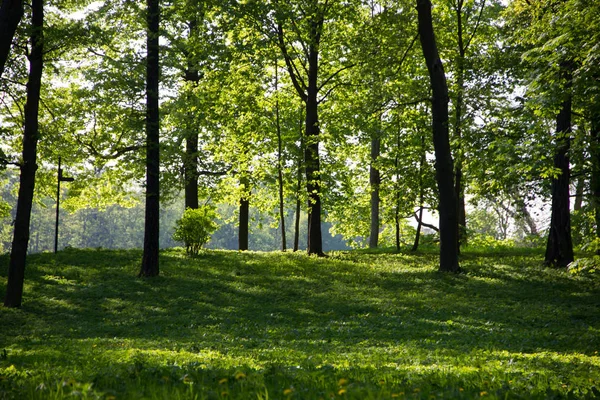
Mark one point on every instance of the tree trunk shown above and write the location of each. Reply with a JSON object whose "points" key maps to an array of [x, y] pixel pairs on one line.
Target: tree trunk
{"points": [[299, 185], [244, 217], [18, 254], [458, 171], [150, 265], [190, 164], [11, 12], [448, 206], [421, 194], [374, 182], [559, 249], [279, 163], [311, 154], [595, 156]]}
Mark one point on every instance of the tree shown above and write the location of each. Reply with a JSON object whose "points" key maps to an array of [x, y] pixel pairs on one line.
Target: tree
{"points": [[11, 12], [18, 254], [443, 158], [150, 266], [559, 249]]}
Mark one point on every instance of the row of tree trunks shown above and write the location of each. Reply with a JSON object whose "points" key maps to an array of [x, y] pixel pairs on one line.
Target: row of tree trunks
{"points": [[150, 265], [18, 254], [448, 205]]}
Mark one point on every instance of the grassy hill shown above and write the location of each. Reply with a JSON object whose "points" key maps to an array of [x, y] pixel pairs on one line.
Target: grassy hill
{"points": [[278, 326]]}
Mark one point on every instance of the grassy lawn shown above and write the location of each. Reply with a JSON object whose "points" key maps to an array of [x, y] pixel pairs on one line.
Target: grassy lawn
{"points": [[278, 326]]}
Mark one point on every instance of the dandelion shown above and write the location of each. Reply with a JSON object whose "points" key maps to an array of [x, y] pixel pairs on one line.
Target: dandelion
{"points": [[287, 392], [461, 389], [484, 393], [342, 381], [240, 375], [342, 391], [222, 381]]}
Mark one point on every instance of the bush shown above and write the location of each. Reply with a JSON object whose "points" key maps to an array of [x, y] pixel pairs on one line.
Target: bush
{"points": [[195, 227]]}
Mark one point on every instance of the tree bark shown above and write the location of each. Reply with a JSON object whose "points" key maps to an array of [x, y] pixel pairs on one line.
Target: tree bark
{"points": [[18, 254], [458, 171], [244, 217], [311, 154], [448, 206], [374, 182], [11, 12], [279, 163], [595, 156], [559, 248], [150, 265], [422, 161], [298, 186], [190, 164]]}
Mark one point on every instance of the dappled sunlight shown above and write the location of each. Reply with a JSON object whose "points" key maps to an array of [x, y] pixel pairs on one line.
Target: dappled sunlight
{"points": [[284, 319]]}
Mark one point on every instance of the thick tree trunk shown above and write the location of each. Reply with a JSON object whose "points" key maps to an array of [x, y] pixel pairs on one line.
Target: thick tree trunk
{"points": [[374, 182], [244, 217], [311, 154], [11, 12], [18, 254], [448, 206], [559, 249], [150, 266], [595, 156]]}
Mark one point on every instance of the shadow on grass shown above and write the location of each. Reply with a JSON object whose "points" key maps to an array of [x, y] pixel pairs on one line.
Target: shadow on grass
{"points": [[255, 301]]}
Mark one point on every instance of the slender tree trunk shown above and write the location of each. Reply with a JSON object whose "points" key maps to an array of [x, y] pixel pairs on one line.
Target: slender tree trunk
{"points": [[299, 186], [311, 154], [595, 156], [559, 249], [421, 194], [448, 206], [579, 188], [11, 12], [374, 182], [279, 163], [150, 266], [18, 254], [190, 164], [244, 216], [458, 172]]}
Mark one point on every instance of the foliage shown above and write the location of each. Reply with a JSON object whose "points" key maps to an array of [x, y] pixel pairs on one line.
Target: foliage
{"points": [[195, 227], [589, 264], [252, 325]]}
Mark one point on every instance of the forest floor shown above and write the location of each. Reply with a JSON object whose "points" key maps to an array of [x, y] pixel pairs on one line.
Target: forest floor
{"points": [[288, 326]]}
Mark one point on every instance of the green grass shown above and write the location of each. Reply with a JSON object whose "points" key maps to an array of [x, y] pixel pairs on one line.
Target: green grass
{"points": [[288, 326]]}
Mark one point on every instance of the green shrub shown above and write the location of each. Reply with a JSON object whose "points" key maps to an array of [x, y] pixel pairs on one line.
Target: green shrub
{"points": [[589, 264], [195, 227]]}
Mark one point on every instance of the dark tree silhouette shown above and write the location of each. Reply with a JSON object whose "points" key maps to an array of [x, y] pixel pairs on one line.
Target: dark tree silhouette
{"points": [[444, 170], [151, 245], [18, 254]]}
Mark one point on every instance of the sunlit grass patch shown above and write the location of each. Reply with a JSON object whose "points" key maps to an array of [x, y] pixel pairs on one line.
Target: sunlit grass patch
{"points": [[282, 325]]}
